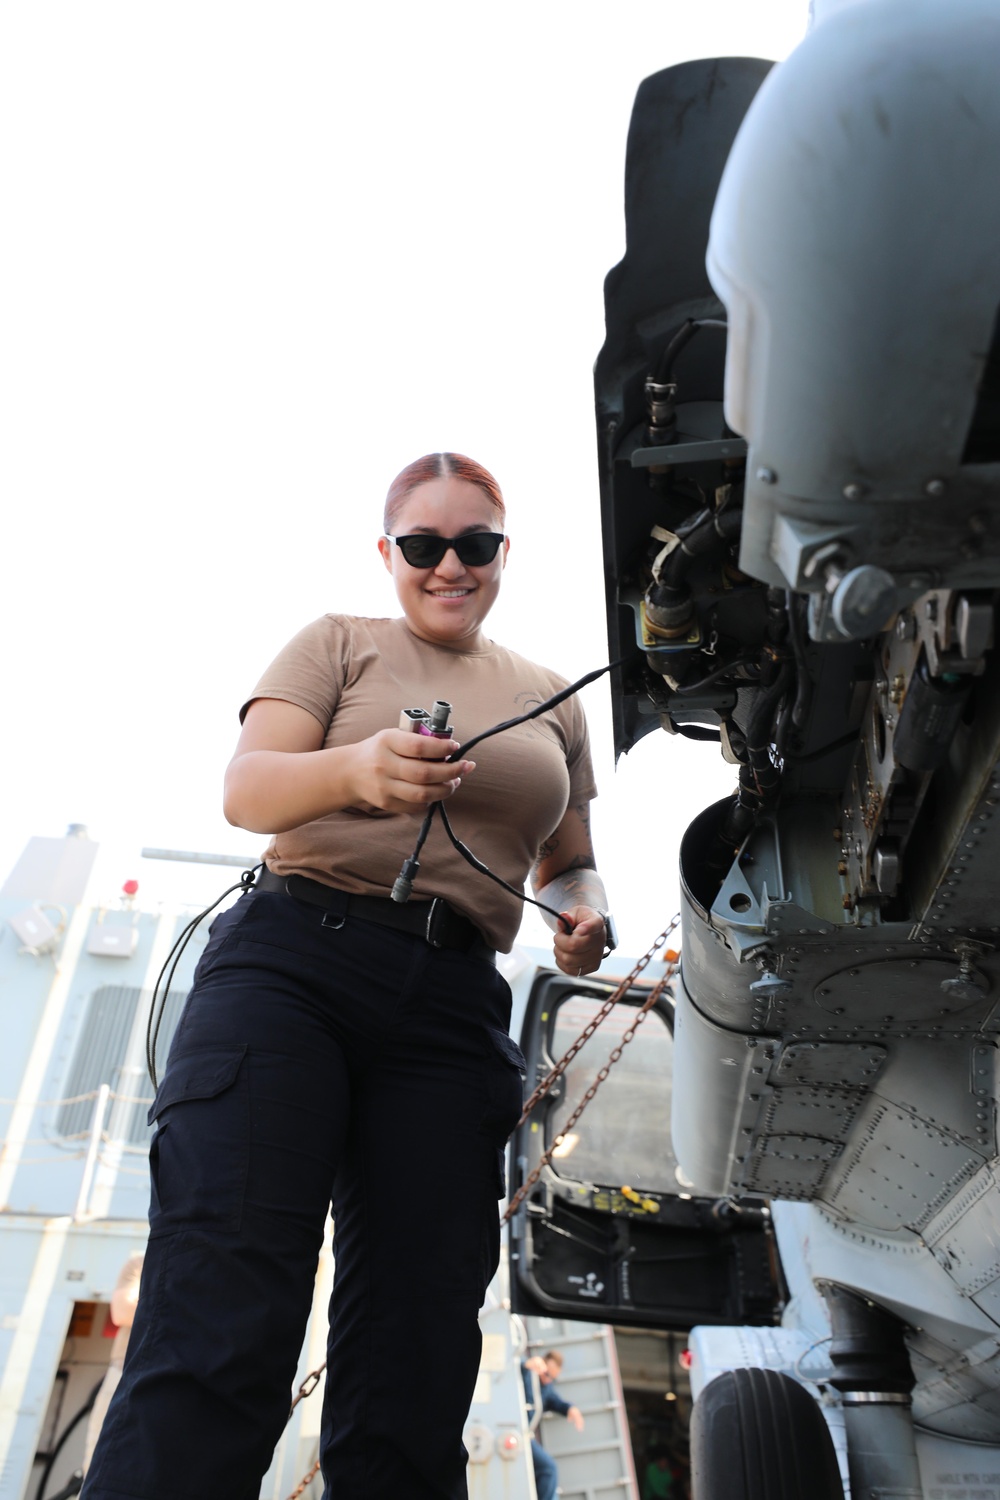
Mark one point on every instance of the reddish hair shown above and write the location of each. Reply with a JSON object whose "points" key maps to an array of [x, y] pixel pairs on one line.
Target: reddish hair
{"points": [[440, 466]]}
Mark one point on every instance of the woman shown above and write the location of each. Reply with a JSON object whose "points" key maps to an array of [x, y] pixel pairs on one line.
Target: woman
{"points": [[339, 1044]]}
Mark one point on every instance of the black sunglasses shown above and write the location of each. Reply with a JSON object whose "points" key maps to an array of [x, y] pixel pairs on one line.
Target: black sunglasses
{"points": [[474, 550]]}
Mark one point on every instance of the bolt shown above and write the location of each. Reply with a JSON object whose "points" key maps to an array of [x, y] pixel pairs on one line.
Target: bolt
{"points": [[767, 476], [853, 491], [935, 488]]}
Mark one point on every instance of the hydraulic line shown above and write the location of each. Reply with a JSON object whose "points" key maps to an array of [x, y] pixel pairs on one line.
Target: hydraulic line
{"points": [[680, 341], [669, 604]]}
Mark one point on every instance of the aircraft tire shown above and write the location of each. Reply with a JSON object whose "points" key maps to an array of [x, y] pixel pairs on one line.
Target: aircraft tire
{"points": [[759, 1435]]}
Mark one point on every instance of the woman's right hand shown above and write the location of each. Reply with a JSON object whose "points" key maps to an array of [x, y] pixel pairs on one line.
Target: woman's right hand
{"points": [[397, 771], [281, 776]]}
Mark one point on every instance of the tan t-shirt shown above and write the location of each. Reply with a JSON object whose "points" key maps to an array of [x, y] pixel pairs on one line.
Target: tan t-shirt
{"points": [[355, 676]]}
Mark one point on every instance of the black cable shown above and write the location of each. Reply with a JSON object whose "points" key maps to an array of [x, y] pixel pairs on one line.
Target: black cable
{"points": [[402, 888], [244, 884], [72, 1487], [74, 1422], [403, 885], [699, 732], [541, 708], [729, 666], [839, 744], [477, 864], [680, 340]]}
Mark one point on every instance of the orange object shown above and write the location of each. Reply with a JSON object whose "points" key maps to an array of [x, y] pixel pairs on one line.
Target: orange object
{"points": [[82, 1321]]}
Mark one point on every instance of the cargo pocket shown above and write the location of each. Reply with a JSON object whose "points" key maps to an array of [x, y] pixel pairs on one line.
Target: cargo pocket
{"points": [[199, 1156], [505, 1070]]}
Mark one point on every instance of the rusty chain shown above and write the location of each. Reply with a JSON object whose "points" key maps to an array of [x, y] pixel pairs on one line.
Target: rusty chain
{"points": [[588, 1031], [602, 1074], [305, 1482], [305, 1389], [585, 1035]]}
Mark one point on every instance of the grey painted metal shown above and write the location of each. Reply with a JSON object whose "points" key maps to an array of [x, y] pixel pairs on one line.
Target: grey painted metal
{"points": [[837, 1023], [888, 248], [682, 126], [690, 452], [881, 1450], [875, 1398], [194, 857], [595, 1464], [879, 1100]]}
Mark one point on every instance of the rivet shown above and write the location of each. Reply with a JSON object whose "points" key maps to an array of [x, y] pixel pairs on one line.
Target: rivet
{"points": [[767, 476]]}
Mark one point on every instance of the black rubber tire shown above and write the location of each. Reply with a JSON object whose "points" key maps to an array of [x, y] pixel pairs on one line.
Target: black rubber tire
{"points": [[759, 1435]]}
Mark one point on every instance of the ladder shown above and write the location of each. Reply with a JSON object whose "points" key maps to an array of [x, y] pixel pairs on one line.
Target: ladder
{"points": [[595, 1464]]}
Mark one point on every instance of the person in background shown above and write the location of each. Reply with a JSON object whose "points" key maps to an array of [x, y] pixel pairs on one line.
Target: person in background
{"points": [[123, 1305], [658, 1483], [548, 1368]]}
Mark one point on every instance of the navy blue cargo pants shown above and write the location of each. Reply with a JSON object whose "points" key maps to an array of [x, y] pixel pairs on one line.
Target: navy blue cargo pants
{"points": [[317, 1058]]}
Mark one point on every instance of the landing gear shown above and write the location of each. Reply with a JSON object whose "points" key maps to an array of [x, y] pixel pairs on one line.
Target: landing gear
{"points": [[759, 1435]]}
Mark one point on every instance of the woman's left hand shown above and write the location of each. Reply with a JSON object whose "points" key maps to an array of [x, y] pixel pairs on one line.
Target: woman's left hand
{"points": [[580, 951]]}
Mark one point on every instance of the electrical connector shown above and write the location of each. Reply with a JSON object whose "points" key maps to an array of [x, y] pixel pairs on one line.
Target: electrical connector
{"points": [[402, 890]]}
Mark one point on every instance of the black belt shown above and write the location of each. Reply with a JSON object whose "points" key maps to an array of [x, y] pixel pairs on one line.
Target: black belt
{"points": [[435, 921]]}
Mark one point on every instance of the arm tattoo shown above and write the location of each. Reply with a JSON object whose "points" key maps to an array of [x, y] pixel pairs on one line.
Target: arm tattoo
{"points": [[577, 883]]}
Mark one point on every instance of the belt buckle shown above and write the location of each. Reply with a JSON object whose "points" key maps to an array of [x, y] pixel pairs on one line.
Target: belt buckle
{"points": [[438, 909]]}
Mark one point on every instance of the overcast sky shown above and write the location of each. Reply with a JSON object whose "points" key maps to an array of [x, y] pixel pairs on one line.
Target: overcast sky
{"points": [[256, 258]]}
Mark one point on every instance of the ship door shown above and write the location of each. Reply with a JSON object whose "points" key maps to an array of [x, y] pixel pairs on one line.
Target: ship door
{"points": [[612, 1232]]}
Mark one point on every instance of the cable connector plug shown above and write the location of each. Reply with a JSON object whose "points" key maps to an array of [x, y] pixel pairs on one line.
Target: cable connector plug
{"points": [[403, 888]]}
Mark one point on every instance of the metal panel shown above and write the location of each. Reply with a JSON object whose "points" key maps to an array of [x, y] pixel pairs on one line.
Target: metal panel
{"points": [[846, 1064], [595, 1464], [900, 1172], [682, 126], [99, 1052]]}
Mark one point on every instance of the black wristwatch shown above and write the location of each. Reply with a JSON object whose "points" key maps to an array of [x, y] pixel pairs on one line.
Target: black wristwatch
{"points": [[610, 932]]}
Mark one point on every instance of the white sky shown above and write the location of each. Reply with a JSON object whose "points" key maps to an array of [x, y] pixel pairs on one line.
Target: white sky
{"points": [[256, 258]]}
